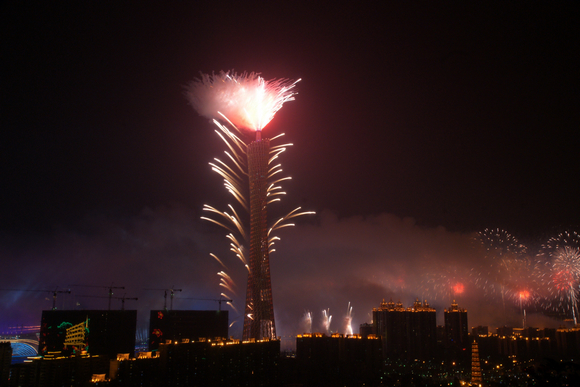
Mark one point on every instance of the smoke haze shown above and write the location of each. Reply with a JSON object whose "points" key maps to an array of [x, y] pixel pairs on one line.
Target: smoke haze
{"points": [[323, 263]]}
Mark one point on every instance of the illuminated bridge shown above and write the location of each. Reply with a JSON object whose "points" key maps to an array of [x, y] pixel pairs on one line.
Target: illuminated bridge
{"points": [[23, 347]]}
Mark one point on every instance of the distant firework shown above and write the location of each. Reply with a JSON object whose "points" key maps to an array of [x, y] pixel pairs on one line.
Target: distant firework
{"points": [[501, 252], [444, 283], [348, 320], [520, 284], [247, 102], [559, 273], [307, 322], [458, 288], [326, 320], [395, 278]]}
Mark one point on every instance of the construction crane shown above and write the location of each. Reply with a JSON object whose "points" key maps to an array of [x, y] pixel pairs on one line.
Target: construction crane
{"points": [[172, 292], [116, 298], [54, 293], [219, 301], [111, 287]]}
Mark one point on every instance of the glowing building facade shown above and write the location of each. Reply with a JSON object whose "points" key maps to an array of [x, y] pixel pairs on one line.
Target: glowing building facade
{"points": [[259, 313]]}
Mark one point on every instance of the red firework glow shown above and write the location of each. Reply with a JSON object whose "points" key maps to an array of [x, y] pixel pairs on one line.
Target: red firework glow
{"points": [[458, 288], [562, 270], [564, 280], [524, 295]]}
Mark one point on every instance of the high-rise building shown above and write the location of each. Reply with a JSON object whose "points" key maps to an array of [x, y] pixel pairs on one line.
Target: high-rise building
{"points": [[568, 342], [422, 328], [220, 363], [58, 369], [456, 334], [5, 360], [366, 329], [332, 360], [407, 333], [389, 324], [259, 310]]}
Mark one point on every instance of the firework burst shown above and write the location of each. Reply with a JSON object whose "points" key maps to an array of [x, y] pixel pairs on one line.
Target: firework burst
{"points": [[559, 271], [501, 255], [446, 284], [247, 100], [520, 284]]}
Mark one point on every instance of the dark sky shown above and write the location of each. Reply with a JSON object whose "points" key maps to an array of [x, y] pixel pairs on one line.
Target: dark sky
{"points": [[448, 117]]}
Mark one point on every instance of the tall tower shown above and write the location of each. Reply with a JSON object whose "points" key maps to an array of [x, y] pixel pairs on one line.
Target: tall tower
{"points": [[248, 103], [259, 311], [475, 365]]}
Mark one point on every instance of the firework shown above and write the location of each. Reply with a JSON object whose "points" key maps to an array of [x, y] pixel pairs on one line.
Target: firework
{"points": [[520, 284], [395, 278], [226, 281], [247, 102], [348, 320], [326, 320], [444, 283], [559, 271], [307, 322], [501, 253]]}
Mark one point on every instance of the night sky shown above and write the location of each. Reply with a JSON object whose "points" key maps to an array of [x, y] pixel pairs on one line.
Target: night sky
{"points": [[415, 126]]}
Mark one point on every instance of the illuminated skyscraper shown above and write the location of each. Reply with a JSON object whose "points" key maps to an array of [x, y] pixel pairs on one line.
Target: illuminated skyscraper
{"points": [[259, 315]]}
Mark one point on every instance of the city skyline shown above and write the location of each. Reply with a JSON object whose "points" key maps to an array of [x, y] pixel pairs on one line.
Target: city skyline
{"points": [[416, 127]]}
